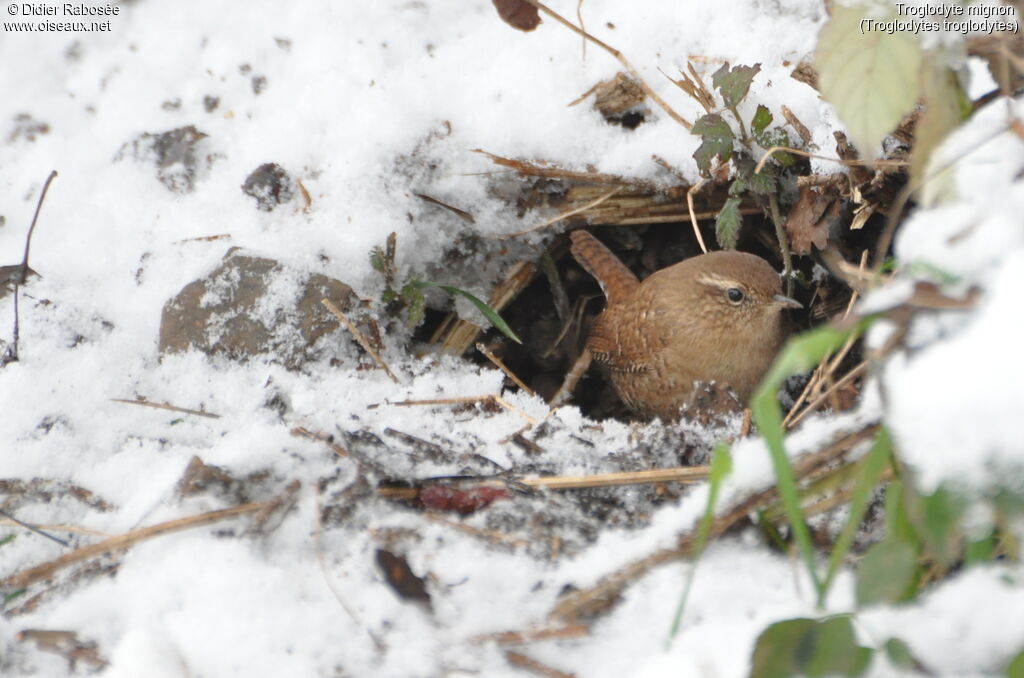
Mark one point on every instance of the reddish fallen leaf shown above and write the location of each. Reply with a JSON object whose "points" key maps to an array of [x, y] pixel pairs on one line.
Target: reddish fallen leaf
{"points": [[465, 501], [518, 14], [401, 578], [810, 218]]}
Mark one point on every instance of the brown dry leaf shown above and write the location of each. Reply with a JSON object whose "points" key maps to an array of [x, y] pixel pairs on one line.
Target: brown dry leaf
{"points": [[518, 14], [403, 581], [809, 220]]}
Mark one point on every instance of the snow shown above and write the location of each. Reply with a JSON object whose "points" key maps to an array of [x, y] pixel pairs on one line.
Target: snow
{"points": [[367, 104]]}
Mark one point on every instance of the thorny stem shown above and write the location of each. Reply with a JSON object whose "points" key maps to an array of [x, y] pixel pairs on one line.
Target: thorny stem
{"points": [[780, 233], [618, 55]]}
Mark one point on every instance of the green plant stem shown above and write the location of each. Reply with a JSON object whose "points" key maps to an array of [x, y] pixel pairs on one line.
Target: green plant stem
{"points": [[780, 233], [743, 129]]}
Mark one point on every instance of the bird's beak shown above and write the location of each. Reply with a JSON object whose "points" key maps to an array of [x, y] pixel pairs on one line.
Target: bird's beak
{"points": [[786, 302]]}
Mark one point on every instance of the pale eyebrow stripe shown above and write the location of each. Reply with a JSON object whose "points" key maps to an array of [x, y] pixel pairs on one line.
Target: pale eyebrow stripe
{"points": [[717, 281]]}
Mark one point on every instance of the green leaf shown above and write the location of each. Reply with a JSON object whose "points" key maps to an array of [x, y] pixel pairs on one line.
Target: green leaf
{"points": [[773, 138], [414, 300], [377, 259], [489, 313], [763, 183], [800, 354], [1016, 667], [980, 551], [721, 467], [809, 647], [834, 650], [762, 118], [871, 78], [728, 224], [942, 511], [717, 139], [14, 595], [942, 114], [899, 654], [888, 573], [8, 539], [734, 83]]}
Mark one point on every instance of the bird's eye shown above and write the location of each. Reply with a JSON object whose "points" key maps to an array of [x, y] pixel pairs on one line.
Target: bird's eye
{"points": [[735, 295]]}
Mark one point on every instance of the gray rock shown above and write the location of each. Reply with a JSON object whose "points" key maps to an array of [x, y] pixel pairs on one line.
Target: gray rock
{"points": [[252, 306]]}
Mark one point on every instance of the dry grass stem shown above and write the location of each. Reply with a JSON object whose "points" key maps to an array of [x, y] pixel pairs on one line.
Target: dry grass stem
{"points": [[533, 635], [34, 574], [564, 215], [318, 548], [165, 406], [598, 598], [826, 367], [456, 335], [532, 665], [534, 170], [680, 474], [359, 337], [618, 55], [572, 378], [504, 368], [880, 163], [495, 399], [204, 238], [321, 437], [488, 535], [693, 215], [58, 528]]}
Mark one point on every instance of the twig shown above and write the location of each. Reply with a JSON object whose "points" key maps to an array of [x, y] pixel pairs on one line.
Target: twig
{"points": [[618, 55], [32, 228], [166, 406], [359, 337], [34, 574], [564, 215], [19, 275], [504, 368]]}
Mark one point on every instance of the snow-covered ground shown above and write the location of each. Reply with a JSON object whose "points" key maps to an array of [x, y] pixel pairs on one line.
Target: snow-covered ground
{"points": [[367, 104]]}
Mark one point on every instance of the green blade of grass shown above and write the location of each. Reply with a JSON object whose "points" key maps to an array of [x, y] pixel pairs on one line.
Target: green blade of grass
{"points": [[489, 313], [799, 354], [871, 470], [721, 466]]}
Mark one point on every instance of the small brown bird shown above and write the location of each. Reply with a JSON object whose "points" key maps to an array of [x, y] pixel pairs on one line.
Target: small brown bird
{"points": [[714, 317]]}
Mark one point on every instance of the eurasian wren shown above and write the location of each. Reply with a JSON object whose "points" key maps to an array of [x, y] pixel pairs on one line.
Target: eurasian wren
{"points": [[716, 317]]}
